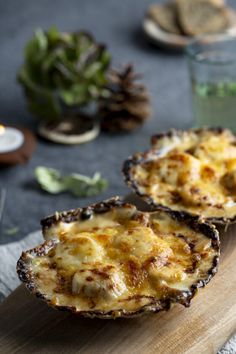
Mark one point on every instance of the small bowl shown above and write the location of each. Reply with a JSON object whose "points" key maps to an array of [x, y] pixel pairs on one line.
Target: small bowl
{"points": [[175, 41]]}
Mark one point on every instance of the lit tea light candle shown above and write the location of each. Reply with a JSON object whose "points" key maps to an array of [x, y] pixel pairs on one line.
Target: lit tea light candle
{"points": [[11, 139]]}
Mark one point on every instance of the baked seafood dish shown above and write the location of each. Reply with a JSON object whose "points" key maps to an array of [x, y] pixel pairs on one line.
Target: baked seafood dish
{"points": [[110, 260], [189, 171]]}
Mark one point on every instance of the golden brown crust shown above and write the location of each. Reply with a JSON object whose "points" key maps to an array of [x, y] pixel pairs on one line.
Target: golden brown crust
{"points": [[162, 141], [26, 273]]}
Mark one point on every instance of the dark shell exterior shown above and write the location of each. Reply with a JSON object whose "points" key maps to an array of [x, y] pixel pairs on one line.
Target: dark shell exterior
{"points": [[140, 158], [195, 223]]}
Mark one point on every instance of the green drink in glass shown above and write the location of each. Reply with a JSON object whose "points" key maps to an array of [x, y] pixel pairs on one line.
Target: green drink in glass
{"points": [[212, 64]]}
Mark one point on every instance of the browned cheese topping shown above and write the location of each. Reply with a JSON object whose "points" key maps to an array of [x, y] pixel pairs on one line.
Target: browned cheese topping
{"points": [[121, 259], [194, 172]]}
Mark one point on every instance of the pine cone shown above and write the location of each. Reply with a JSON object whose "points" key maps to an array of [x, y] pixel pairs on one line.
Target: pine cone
{"points": [[128, 104]]}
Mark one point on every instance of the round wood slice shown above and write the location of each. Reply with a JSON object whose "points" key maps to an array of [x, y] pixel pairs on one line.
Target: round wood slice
{"points": [[24, 153], [61, 137]]}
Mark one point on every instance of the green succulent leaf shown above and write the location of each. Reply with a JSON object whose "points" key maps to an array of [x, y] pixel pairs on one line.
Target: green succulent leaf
{"points": [[75, 96], [62, 69], [40, 99], [53, 182]]}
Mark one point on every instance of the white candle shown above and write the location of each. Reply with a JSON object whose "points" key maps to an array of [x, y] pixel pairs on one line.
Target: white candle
{"points": [[11, 139]]}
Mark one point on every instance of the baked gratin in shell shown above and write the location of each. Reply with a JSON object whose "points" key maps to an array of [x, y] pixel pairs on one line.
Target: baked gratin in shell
{"points": [[110, 260], [190, 171]]}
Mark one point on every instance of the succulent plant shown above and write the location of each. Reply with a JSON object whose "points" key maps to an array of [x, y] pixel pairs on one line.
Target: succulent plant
{"points": [[63, 70]]}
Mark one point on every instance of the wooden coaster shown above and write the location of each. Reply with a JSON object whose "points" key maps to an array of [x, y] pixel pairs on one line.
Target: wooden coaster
{"points": [[24, 153], [75, 129], [72, 139]]}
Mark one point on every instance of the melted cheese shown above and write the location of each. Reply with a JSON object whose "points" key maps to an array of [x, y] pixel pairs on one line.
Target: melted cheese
{"points": [[99, 281], [196, 174], [121, 259]]}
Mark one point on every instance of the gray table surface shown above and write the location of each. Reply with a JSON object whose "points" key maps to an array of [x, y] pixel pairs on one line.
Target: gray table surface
{"points": [[117, 24]]}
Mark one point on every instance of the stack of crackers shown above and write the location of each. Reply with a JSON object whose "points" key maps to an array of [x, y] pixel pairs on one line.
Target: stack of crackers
{"points": [[191, 17]]}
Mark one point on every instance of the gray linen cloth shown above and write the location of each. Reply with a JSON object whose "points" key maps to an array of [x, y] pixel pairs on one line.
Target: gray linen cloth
{"points": [[10, 252]]}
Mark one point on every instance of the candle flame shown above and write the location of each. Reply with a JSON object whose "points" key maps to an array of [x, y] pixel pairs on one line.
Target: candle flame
{"points": [[2, 129]]}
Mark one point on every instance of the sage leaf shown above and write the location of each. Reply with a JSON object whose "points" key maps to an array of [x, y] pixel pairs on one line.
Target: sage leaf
{"points": [[51, 181], [12, 231]]}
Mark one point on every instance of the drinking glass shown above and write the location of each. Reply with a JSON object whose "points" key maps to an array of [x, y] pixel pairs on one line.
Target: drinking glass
{"points": [[212, 67]]}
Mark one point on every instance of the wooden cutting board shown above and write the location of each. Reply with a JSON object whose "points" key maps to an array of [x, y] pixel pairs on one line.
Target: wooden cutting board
{"points": [[27, 325]]}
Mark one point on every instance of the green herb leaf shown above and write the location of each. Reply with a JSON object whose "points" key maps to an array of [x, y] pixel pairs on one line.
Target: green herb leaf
{"points": [[83, 186], [12, 231], [50, 180], [53, 182]]}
